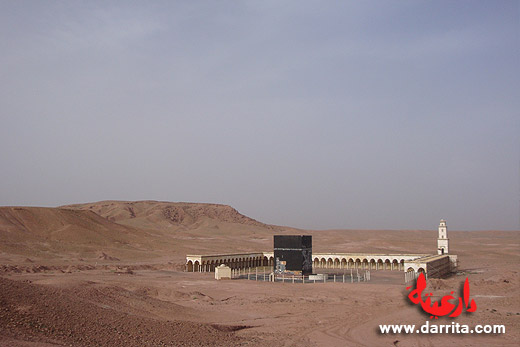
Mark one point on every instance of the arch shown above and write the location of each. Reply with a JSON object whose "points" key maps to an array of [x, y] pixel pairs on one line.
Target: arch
{"points": [[330, 263], [350, 263], [387, 264], [336, 263], [372, 264], [379, 264], [401, 264], [323, 262], [365, 264], [343, 263], [316, 263], [358, 263], [421, 270], [189, 266], [196, 266], [395, 264], [410, 269], [271, 261], [265, 261]]}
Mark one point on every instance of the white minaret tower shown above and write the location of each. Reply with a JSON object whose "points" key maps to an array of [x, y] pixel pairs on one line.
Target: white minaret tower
{"points": [[442, 241]]}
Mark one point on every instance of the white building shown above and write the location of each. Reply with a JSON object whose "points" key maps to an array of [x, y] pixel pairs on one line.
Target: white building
{"points": [[442, 241]]}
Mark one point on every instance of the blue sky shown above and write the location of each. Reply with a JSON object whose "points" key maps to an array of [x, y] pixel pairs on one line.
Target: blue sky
{"points": [[347, 114]]}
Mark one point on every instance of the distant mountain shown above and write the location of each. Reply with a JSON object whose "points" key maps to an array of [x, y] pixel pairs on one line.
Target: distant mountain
{"points": [[50, 232], [128, 231], [165, 215]]}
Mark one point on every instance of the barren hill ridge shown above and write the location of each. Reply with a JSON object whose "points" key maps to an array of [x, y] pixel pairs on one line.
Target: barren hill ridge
{"points": [[159, 214], [123, 230], [52, 232], [48, 222]]}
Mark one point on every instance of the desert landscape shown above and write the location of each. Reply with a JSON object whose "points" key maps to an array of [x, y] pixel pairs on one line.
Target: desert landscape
{"points": [[111, 273], [143, 139]]}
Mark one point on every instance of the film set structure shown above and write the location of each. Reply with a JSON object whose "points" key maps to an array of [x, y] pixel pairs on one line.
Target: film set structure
{"points": [[292, 261]]}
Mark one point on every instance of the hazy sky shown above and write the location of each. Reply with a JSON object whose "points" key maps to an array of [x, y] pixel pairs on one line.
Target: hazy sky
{"points": [[313, 114]]}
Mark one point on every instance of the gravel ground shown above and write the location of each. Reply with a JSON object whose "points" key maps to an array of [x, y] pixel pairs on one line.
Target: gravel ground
{"points": [[47, 315]]}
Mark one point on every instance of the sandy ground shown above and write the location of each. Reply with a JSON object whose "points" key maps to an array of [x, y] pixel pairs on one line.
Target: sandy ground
{"points": [[123, 299]]}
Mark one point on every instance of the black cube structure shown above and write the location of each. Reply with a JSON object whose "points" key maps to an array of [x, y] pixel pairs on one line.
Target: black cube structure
{"points": [[295, 251]]}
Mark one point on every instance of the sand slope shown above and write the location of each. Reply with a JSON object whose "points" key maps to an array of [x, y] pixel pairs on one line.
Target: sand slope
{"points": [[95, 316], [110, 273], [56, 233], [126, 231], [166, 215]]}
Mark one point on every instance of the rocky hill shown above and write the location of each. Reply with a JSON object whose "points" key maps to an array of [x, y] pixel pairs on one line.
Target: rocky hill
{"points": [[161, 215], [56, 232], [127, 231]]}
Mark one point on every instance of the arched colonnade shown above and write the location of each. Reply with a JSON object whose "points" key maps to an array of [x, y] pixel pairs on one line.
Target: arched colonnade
{"points": [[352, 262], [203, 263], [234, 261]]}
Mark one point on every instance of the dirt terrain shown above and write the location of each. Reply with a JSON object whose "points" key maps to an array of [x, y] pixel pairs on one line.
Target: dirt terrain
{"points": [[111, 273]]}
